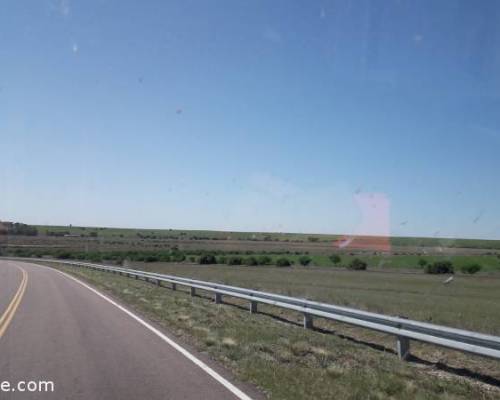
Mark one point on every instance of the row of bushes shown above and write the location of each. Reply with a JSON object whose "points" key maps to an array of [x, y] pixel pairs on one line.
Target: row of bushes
{"points": [[446, 267], [247, 252], [16, 228], [206, 259], [238, 260], [175, 255]]}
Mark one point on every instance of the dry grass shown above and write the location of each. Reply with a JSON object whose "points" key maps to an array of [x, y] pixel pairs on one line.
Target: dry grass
{"points": [[284, 360]]}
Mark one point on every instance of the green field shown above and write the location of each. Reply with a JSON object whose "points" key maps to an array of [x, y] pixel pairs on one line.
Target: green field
{"points": [[470, 302], [183, 234], [488, 263], [261, 236]]}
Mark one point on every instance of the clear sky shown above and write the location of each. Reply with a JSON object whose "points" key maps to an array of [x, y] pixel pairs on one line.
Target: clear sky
{"points": [[252, 115]]}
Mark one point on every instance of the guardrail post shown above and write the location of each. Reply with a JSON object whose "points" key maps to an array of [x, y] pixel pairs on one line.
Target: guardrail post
{"points": [[218, 298], [193, 291], [136, 276], [403, 347], [174, 286], [158, 282], [308, 321], [253, 307]]}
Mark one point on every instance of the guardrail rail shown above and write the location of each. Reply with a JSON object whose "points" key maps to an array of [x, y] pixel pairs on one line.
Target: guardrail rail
{"points": [[403, 329]]}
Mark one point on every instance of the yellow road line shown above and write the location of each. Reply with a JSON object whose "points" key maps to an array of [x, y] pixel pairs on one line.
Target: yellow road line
{"points": [[16, 300]]}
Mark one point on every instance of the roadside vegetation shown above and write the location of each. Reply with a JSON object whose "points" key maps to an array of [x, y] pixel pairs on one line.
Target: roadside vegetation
{"points": [[439, 267], [469, 302], [280, 357], [17, 229], [288, 362], [426, 264]]}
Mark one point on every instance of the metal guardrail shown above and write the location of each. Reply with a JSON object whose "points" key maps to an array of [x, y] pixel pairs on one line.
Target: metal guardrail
{"points": [[403, 329]]}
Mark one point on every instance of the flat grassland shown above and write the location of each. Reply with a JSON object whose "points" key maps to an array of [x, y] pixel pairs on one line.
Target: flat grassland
{"points": [[272, 351], [378, 253], [360, 242], [469, 302]]}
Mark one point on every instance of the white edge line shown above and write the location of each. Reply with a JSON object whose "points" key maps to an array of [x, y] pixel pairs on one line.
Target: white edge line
{"points": [[223, 381]]}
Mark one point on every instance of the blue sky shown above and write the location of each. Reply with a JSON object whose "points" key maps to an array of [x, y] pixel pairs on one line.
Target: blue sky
{"points": [[253, 115]]}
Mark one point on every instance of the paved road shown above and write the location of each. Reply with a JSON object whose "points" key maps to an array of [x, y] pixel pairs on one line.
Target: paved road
{"points": [[65, 333]]}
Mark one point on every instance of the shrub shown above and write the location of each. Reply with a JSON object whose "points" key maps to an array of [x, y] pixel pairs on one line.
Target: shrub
{"points": [[207, 259], [357, 265], [335, 258], [283, 262], [470, 268], [64, 255], [151, 258], [439, 267], [235, 260], [264, 260], [178, 256], [251, 261], [221, 260], [305, 261], [422, 262]]}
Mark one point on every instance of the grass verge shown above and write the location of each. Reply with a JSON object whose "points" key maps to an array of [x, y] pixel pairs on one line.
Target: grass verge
{"points": [[284, 360]]}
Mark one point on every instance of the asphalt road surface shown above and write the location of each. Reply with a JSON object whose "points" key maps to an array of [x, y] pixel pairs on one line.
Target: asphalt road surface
{"points": [[54, 329]]}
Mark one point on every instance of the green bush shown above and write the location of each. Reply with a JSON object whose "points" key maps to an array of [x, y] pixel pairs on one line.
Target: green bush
{"points": [[422, 262], [207, 259], [305, 261], [335, 258], [64, 255], [470, 268], [178, 256], [251, 261], [221, 260], [22, 253], [235, 260], [357, 265], [283, 262], [439, 267], [151, 258], [264, 260]]}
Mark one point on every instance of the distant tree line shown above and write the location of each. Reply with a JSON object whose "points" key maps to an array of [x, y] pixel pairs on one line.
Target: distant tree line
{"points": [[17, 228], [92, 234]]}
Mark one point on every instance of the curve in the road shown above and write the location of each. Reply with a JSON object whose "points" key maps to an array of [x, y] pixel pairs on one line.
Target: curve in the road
{"points": [[14, 304], [66, 331]]}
